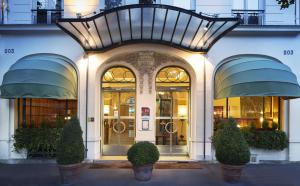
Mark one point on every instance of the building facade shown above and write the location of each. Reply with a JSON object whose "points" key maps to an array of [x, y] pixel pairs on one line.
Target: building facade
{"points": [[160, 73]]}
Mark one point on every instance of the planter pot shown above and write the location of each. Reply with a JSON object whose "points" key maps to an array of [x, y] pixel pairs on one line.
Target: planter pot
{"points": [[143, 173], [69, 173], [231, 173]]}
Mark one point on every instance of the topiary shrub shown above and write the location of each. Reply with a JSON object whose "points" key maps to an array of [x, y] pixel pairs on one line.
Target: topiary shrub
{"points": [[70, 148], [231, 146], [266, 139], [143, 153]]}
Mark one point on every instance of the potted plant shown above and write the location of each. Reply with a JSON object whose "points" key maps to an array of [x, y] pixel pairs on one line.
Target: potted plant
{"points": [[232, 151], [70, 151], [143, 156]]}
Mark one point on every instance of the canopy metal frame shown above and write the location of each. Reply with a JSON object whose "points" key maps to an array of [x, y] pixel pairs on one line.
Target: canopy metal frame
{"points": [[172, 26]]}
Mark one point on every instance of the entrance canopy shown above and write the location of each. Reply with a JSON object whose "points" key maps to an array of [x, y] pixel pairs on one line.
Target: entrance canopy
{"points": [[151, 23], [40, 76], [255, 76]]}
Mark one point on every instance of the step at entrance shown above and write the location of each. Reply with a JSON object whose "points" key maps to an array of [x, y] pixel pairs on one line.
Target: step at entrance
{"points": [[158, 165]]}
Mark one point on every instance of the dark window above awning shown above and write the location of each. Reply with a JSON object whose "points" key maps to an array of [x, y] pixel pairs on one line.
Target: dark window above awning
{"points": [[151, 23]]}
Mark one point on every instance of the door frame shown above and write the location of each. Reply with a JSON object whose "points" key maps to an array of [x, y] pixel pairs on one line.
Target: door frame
{"points": [[101, 128]]}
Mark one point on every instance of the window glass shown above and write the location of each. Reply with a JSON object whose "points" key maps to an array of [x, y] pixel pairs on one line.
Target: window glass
{"points": [[36, 112], [249, 110]]}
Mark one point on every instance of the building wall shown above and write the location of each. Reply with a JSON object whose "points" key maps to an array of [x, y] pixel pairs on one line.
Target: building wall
{"points": [[20, 11]]}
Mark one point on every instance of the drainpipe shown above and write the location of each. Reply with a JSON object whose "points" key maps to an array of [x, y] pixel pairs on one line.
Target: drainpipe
{"points": [[86, 101], [204, 106]]}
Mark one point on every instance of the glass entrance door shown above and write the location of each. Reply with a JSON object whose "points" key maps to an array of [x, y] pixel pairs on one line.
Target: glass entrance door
{"points": [[172, 122], [118, 111], [119, 122], [172, 111]]}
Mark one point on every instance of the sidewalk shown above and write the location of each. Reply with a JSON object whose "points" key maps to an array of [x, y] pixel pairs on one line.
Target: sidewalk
{"points": [[42, 174]]}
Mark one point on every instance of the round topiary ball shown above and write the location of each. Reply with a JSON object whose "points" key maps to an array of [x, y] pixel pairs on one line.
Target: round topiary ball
{"points": [[143, 153], [231, 146]]}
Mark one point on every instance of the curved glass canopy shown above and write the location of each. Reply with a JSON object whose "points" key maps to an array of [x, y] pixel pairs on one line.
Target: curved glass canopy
{"points": [[255, 76], [151, 23]]}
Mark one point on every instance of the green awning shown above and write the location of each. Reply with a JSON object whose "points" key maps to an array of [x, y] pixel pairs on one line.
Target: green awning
{"points": [[255, 76], [40, 76]]}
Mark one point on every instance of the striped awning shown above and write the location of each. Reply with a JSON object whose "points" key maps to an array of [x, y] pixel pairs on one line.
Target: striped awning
{"points": [[148, 23], [255, 76], [40, 76]]}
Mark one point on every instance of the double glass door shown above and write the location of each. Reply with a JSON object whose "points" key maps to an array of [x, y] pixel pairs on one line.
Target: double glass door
{"points": [[172, 111], [118, 122]]}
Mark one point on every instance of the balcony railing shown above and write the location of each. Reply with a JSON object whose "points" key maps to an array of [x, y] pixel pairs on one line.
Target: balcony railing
{"points": [[46, 16], [250, 17]]}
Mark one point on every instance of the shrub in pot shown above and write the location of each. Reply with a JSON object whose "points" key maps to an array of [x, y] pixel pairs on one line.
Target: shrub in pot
{"points": [[70, 151], [143, 156], [232, 150]]}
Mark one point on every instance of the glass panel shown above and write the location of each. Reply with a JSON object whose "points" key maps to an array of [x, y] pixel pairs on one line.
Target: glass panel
{"points": [[125, 24], [84, 31], [136, 23], [119, 118], [219, 32], [170, 24], [200, 33], [114, 27], [103, 30], [249, 110], [93, 31], [209, 33], [118, 111], [147, 22], [158, 23], [192, 29], [172, 76], [37, 112], [172, 111], [181, 26], [118, 78], [72, 30]]}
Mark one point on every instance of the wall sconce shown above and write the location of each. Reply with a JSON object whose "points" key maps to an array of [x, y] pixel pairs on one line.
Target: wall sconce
{"points": [[182, 110], [106, 109]]}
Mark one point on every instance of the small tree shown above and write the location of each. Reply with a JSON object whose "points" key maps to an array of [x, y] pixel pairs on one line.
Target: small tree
{"points": [[231, 146], [70, 148], [285, 3]]}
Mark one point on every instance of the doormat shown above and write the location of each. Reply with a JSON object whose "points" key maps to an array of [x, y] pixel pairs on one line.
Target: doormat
{"points": [[158, 165]]}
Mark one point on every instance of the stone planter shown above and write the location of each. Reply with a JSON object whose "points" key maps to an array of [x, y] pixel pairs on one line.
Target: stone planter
{"points": [[143, 173], [69, 173], [231, 173]]}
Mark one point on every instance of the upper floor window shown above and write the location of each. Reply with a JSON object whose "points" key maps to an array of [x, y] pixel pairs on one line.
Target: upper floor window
{"points": [[251, 12]]}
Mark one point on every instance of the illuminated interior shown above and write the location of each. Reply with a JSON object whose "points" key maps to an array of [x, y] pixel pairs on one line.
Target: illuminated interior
{"points": [[118, 108], [172, 110], [250, 110]]}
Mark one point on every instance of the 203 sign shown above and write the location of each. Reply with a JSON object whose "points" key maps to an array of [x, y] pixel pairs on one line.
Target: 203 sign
{"points": [[288, 52], [9, 51]]}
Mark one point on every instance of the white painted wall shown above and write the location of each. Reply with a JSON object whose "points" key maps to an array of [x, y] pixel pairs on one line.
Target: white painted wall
{"points": [[269, 44], [19, 11]]}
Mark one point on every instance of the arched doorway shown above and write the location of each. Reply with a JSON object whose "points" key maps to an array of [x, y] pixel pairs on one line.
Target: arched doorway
{"points": [[118, 110], [172, 110]]}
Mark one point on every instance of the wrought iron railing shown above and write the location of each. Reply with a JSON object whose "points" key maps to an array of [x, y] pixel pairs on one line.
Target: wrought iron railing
{"points": [[250, 17], [46, 16]]}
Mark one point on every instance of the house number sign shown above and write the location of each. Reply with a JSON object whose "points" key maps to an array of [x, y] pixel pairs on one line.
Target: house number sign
{"points": [[9, 51], [288, 52]]}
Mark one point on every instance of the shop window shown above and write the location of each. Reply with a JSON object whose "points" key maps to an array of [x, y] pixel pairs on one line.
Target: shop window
{"points": [[249, 110], [33, 113]]}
